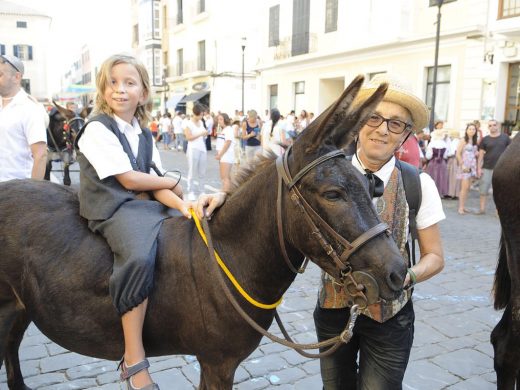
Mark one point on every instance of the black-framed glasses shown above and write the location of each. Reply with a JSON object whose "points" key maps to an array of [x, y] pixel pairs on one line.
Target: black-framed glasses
{"points": [[394, 125], [6, 61]]}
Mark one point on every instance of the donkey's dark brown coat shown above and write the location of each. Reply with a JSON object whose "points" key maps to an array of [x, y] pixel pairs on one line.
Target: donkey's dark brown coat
{"points": [[60, 281], [506, 335]]}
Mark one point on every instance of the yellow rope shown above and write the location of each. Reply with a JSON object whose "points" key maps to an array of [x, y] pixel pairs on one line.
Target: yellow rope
{"points": [[229, 274]]}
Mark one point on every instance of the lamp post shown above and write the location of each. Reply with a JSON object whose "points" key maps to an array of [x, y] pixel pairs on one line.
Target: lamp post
{"points": [[243, 44], [439, 4]]}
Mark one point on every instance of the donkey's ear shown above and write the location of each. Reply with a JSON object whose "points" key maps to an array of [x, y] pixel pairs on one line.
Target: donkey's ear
{"points": [[320, 129], [348, 128], [63, 111]]}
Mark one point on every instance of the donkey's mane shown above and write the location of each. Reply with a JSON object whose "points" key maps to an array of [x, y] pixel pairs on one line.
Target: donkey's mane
{"points": [[246, 172]]}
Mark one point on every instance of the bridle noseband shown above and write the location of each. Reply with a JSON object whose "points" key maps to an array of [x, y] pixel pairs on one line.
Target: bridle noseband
{"points": [[357, 291]]}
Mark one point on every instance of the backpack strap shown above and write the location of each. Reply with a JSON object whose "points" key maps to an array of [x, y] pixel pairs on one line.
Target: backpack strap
{"points": [[412, 189]]}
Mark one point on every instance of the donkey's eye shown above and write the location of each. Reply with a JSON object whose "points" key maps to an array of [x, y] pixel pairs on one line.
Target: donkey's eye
{"points": [[332, 195]]}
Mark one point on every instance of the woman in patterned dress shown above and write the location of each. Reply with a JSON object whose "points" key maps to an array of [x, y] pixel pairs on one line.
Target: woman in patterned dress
{"points": [[467, 158]]}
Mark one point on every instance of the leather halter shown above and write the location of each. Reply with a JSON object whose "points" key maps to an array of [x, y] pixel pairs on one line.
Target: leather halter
{"points": [[314, 220]]}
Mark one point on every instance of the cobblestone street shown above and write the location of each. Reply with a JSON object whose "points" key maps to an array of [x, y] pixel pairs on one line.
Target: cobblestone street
{"points": [[454, 318]]}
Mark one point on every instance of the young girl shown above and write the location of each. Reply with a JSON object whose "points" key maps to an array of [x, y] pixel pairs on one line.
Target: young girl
{"points": [[225, 150], [124, 199], [467, 152]]}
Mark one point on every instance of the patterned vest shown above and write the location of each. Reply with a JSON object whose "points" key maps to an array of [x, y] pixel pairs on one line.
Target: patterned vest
{"points": [[392, 208]]}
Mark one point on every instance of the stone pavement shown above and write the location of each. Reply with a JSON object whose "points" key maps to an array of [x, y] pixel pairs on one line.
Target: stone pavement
{"points": [[454, 318]]}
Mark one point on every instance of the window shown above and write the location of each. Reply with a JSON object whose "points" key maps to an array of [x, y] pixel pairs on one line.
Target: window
{"points": [[20, 24], [146, 20], [512, 114], [300, 27], [2, 49], [299, 96], [331, 16], [180, 62], [86, 78], [201, 63], [273, 96], [179, 12], [442, 91], [157, 66], [202, 6], [23, 52], [508, 8], [274, 26], [156, 19]]}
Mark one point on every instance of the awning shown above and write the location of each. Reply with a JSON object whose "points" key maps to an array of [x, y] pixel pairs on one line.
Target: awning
{"points": [[194, 96], [81, 88], [172, 102]]}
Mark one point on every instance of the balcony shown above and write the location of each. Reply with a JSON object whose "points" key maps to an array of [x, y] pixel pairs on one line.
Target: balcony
{"points": [[295, 45]]}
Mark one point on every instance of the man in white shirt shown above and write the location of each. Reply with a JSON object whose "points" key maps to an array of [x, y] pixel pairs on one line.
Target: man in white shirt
{"points": [[23, 137]]}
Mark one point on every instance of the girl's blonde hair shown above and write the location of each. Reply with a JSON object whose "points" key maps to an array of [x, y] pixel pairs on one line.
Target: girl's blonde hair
{"points": [[142, 112]]}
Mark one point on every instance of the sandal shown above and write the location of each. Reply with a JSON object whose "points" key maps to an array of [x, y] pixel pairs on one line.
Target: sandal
{"points": [[127, 372]]}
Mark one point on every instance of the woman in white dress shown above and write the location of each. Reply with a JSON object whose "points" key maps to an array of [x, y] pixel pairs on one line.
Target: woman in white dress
{"points": [[225, 150], [273, 135]]}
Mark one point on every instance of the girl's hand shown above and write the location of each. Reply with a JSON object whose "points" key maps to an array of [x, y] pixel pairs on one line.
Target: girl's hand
{"points": [[212, 201], [217, 157], [185, 207]]}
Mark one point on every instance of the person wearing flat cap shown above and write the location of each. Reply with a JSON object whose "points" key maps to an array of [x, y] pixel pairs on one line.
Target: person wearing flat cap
{"points": [[23, 137], [383, 333]]}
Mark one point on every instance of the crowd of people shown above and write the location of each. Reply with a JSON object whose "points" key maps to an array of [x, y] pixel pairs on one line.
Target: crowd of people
{"points": [[239, 139], [458, 163]]}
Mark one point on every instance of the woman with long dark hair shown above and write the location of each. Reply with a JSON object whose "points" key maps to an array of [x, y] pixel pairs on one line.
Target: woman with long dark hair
{"points": [[467, 158]]}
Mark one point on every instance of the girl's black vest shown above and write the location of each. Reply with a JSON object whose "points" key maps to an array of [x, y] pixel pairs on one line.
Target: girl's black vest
{"points": [[99, 199]]}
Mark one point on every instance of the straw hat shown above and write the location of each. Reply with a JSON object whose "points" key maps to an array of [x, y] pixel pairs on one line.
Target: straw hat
{"points": [[399, 92]]}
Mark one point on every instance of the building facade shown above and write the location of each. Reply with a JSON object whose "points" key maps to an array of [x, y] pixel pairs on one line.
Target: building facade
{"points": [[212, 50], [311, 50], [24, 32]]}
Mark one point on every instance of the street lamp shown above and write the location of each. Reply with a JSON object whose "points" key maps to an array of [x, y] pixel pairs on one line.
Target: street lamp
{"points": [[243, 44], [439, 4]]}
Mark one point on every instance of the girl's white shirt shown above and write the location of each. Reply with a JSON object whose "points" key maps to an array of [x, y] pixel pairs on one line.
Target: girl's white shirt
{"points": [[103, 150]]}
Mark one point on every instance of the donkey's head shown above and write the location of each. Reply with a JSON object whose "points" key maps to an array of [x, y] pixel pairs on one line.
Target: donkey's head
{"points": [[64, 125], [338, 193]]}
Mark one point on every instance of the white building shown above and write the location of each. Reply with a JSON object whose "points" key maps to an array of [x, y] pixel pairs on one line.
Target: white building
{"points": [[24, 32], [311, 49], [206, 43]]}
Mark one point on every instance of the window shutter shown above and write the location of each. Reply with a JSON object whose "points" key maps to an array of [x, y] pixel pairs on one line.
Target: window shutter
{"points": [[15, 50], [30, 53]]}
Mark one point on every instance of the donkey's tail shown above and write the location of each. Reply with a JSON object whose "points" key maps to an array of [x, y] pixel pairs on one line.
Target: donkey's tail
{"points": [[502, 283]]}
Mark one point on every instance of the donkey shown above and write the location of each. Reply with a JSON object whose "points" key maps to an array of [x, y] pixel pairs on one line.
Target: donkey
{"points": [[62, 286], [505, 337], [64, 124]]}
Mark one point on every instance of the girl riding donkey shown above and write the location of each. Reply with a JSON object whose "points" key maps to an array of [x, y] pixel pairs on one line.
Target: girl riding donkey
{"points": [[117, 193]]}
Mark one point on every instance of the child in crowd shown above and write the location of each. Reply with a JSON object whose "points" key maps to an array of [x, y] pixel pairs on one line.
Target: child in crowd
{"points": [[124, 200]]}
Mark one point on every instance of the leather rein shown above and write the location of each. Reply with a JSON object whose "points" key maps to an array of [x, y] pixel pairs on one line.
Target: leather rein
{"points": [[354, 289]]}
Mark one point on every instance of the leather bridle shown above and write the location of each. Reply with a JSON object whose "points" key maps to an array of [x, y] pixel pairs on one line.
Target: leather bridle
{"points": [[361, 287]]}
